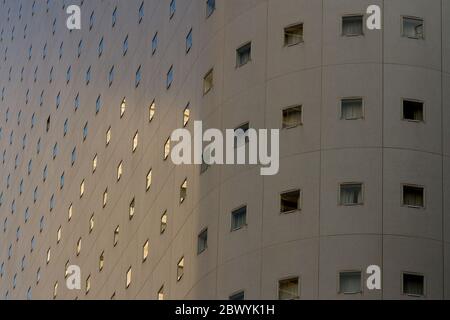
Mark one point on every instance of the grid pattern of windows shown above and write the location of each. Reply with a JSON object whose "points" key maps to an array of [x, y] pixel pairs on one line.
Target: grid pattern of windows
{"points": [[40, 80]]}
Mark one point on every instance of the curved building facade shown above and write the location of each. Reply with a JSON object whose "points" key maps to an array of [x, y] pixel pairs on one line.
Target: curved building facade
{"points": [[87, 179]]}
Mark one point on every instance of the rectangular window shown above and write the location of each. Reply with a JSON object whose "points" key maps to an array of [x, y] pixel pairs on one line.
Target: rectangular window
{"points": [[352, 25], [352, 109], [293, 35], [116, 236], [180, 269], [413, 284], [208, 81], [141, 12], [149, 180], [292, 117], [154, 43], [413, 110], [119, 171], [128, 279], [169, 77], [183, 191], [413, 28], [350, 282], [202, 241], [290, 201], [138, 77], [243, 55], [172, 9], [288, 289], [163, 222], [151, 111], [111, 76], [105, 198], [135, 141], [167, 149], [125, 46], [413, 196], [210, 7], [161, 293], [351, 194], [145, 251], [239, 218], [132, 209], [189, 41], [238, 296]]}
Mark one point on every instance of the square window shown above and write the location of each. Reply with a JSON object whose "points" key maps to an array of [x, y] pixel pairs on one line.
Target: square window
{"points": [[244, 55], [290, 201], [202, 241], [413, 110], [239, 218], [413, 196], [208, 81], [413, 284], [180, 269], [293, 35], [292, 117], [351, 194], [413, 28], [352, 25], [350, 282], [288, 289], [352, 109]]}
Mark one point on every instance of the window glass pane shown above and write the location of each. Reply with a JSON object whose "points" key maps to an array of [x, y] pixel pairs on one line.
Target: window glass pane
{"points": [[351, 109], [413, 28], [350, 282], [288, 289], [351, 194], [352, 25], [413, 284]]}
